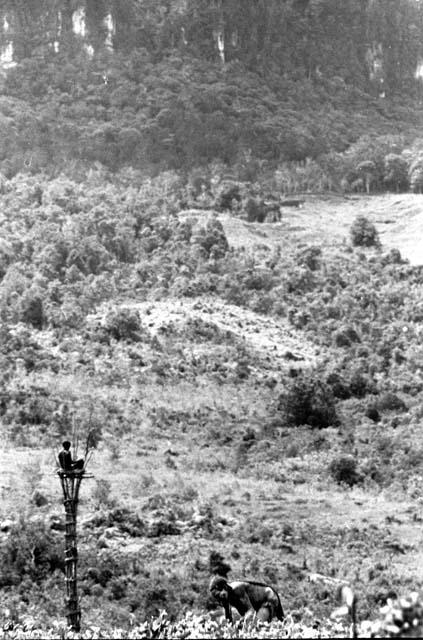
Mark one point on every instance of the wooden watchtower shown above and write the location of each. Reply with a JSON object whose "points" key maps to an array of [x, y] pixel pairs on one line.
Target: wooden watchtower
{"points": [[71, 480]]}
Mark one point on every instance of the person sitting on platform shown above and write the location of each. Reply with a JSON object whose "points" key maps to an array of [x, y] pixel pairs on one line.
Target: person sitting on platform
{"points": [[65, 459]]}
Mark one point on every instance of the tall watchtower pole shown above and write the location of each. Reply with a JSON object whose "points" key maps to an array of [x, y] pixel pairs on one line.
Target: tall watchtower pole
{"points": [[71, 483], [71, 473]]}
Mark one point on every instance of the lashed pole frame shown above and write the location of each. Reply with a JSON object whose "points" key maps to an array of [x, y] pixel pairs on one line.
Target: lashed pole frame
{"points": [[71, 482]]}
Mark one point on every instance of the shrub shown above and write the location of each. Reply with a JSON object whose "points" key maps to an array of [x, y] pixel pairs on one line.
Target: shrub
{"points": [[228, 192], [338, 385], [258, 280], [392, 257], [32, 308], [343, 470], [364, 233], [255, 210], [308, 401], [346, 384], [391, 402], [38, 498], [124, 324], [29, 550], [31, 406], [310, 257], [300, 280], [211, 239], [372, 413], [218, 565], [345, 336], [360, 384]]}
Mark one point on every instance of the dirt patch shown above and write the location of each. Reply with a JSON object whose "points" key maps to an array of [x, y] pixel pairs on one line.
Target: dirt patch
{"points": [[271, 338]]}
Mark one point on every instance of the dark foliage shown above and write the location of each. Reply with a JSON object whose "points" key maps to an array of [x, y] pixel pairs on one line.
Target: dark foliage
{"points": [[372, 413], [343, 470], [346, 336], [218, 565], [308, 401], [391, 402], [364, 233], [123, 324], [30, 550]]}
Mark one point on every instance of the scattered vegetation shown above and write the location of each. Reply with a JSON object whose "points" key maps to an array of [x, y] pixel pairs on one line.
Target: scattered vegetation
{"points": [[141, 303], [217, 379]]}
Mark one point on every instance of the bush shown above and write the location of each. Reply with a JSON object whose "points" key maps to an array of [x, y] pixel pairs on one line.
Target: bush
{"points": [[345, 336], [255, 210], [392, 257], [364, 233], [308, 401], [29, 550], [32, 308], [218, 565], [372, 413], [346, 384], [391, 402], [228, 193], [343, 470], [338, 385], [360, 384], [124, 324], [211, 239], [31, 406], [310, 257]]}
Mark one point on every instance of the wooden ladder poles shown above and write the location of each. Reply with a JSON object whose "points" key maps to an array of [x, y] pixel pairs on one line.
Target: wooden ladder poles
{"points": [[71, 482]]}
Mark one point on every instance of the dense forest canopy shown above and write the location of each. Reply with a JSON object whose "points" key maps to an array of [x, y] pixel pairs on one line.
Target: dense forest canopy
{"points": [[302, 37], [182, 83]]}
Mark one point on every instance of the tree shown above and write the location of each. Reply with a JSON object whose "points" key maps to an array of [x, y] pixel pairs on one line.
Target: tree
{"points": [[364, 233], [396, 169]]}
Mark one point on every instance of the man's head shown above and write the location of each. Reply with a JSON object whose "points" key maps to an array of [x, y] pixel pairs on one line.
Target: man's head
{"points": [[219, 589], [66, 445]]}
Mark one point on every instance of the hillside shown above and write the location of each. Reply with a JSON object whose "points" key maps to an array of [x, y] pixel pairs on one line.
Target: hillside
{"points": [[254, 390]]}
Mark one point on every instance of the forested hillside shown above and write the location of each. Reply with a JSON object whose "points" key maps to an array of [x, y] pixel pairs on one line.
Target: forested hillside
{"points": [[178, 84]]}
